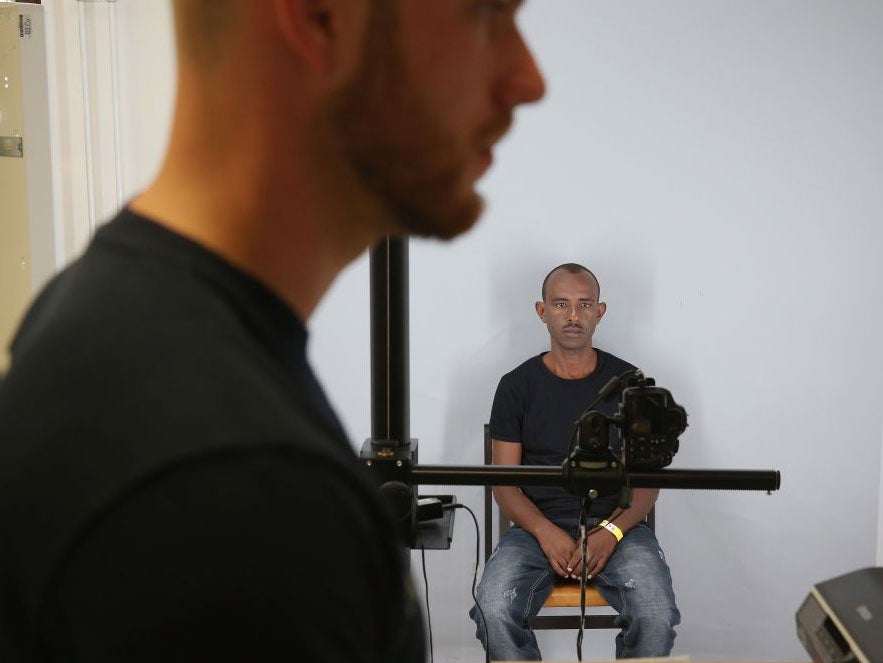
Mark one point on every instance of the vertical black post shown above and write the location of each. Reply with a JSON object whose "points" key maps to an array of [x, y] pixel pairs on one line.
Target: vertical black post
{"points": [[390, 452], [390, 365]]}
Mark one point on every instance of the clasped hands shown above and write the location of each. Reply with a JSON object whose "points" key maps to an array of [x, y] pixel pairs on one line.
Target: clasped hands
{"points": [[565, 554]]}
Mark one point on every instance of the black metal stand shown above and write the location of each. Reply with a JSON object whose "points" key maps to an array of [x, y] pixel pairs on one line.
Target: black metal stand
{"points": [[390, 451], [390, 353]]}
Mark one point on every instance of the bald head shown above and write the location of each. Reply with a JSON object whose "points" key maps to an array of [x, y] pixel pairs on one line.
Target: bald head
{"points": [[571, 268]]}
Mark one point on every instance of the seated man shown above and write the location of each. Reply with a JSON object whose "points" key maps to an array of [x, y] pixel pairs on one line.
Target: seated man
{"points": [[533, 415]]}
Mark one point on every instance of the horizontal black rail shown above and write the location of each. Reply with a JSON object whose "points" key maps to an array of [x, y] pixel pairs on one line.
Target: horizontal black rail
{"points": [[768, 480], [540, 475]]}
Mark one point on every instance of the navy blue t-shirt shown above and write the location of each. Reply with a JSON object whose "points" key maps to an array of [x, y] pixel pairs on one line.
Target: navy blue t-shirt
{"points": [[538, 409]]}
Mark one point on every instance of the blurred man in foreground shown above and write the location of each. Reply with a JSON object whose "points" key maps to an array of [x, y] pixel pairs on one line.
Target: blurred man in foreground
{"points": [[173, 482]]}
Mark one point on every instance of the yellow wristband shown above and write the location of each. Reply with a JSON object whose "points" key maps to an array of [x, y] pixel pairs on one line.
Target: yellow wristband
{"points": [[613, 529]]}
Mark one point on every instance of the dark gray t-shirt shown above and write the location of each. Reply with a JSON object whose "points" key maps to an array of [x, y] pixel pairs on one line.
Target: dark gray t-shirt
{"points": [[538, 409]]}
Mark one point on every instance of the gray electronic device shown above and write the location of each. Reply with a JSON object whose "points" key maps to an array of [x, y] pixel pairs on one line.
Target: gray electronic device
{"points": [[841, 621]]}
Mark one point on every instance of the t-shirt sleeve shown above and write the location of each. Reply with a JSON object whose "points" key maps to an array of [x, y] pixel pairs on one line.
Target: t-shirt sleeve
{"points": [[507, 412], [262, 558]]}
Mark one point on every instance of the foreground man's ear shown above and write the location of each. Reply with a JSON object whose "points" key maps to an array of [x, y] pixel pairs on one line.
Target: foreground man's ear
{"points": [[322, 32], [311, 28]]}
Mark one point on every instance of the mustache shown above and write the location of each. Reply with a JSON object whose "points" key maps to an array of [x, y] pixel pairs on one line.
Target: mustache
{"points": [[572, 326], [494, 130]]}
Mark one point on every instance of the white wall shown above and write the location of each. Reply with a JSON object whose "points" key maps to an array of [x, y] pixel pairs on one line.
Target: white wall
{"points": [[111, 91], [718, 164]]}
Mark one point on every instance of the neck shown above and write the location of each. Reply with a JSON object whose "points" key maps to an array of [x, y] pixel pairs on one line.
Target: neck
{"points": [[571, 364], [288, 226]]}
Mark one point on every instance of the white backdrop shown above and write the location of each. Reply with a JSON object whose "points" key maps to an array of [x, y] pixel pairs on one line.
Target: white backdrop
{"points": [[718, 164]]}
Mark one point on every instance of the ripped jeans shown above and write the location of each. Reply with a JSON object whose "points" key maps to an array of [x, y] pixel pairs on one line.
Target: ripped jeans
{"points": [[517, 581]]}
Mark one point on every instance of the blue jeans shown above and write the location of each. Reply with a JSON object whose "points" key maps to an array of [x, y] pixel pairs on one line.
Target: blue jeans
{"points": [[518, 579]]}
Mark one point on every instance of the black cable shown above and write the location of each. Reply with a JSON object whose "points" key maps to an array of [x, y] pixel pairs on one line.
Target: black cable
{"points": [[583, 579], [487, 635], [426, 588]]}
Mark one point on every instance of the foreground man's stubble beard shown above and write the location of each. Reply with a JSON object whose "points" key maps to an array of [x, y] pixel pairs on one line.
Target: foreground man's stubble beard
{"points": [[398, 146]]}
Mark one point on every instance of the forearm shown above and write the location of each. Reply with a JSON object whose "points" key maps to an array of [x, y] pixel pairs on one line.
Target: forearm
{"points": [[602, 541], [643, 500], [519, 509]]}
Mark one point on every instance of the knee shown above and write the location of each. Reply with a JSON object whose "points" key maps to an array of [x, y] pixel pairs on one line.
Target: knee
{"points": [[663, 619], [658, 617], [497, 603], [648, 634], [651, 604]]}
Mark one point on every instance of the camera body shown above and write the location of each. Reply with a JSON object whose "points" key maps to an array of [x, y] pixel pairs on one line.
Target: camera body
{"points": [[649, 422]]}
